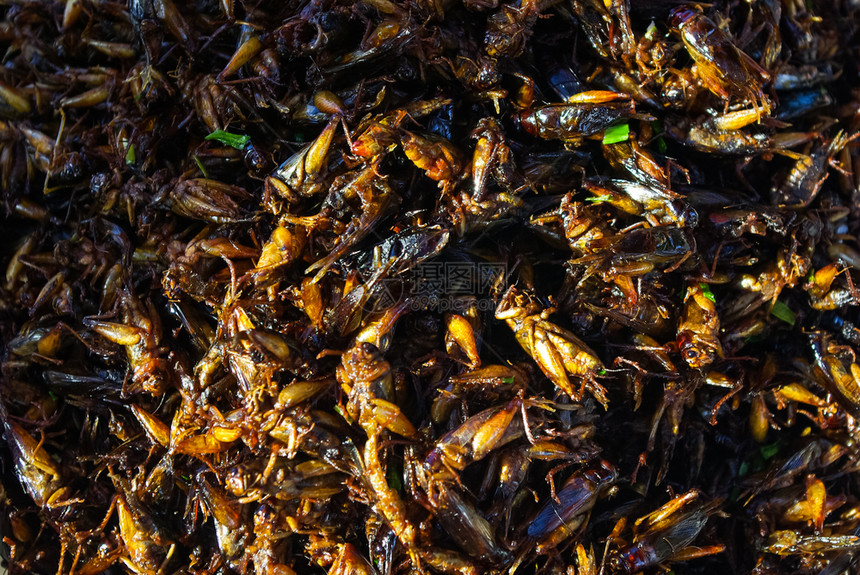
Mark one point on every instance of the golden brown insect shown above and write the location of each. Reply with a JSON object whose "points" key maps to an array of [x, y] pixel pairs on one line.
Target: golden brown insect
{"points": [[304, 173], [591, 114], [559, 354], [492, 157], [665, 534], [698, 331], [439, 159], [141, 336], [720, 65], [367, 378]]}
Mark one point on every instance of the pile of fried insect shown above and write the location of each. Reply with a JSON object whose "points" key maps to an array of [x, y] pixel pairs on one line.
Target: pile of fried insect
{"points": [[427, 286]]}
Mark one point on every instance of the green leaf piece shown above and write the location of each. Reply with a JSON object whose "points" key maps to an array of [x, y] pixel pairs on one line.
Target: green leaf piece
{"points": [[238, 141], [768, 451], [616, 134], [598, 199], [201, 166], [706, 290], [783, 312], [393, 477]]}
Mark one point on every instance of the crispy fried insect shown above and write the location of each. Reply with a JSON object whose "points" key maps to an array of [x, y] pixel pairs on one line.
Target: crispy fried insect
{"points": [[382, 287], [666, 535], [574, 121], [720, 65], [560, 354], [699, 328]]}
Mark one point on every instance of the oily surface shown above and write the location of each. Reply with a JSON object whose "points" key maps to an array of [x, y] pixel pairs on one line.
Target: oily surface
{"points": [[429, 287]]}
